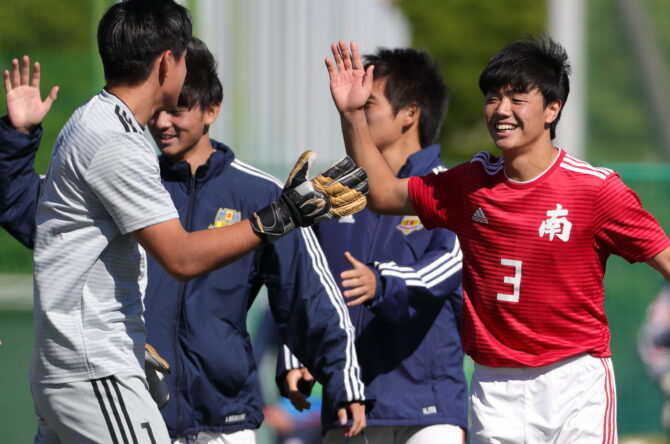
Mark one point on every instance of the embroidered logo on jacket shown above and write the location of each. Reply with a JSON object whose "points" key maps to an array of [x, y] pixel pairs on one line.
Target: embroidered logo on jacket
{"points": [[430, 410], [226, 216], [479, 216], [556, 224], [348, 219], [409, 224]]}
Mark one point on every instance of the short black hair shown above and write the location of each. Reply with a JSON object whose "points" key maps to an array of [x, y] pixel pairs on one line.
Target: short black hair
{"points": [[413, 76], [133, 33], [202, 86], [531, 63]]}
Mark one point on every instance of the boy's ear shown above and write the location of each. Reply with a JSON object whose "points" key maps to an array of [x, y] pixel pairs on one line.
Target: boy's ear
{"points": [[552, 110], [211, 113], [411, 113], [166, 61], [163, 66]]}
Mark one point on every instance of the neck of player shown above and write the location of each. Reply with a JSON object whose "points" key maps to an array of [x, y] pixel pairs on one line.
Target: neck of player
{"points": [[523, 164], [397, 153]]}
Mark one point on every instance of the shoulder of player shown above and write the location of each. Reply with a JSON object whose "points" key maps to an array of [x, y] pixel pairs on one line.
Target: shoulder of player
{"points": [[489, 163], [584, 171], [103, 121]]}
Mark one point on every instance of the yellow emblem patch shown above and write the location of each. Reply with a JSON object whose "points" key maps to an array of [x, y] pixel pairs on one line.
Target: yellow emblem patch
{"points": [[409, 224], [226, 216]]}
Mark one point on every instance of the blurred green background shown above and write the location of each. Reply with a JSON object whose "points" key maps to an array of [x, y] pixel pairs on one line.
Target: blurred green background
{"points": [[462, 35]]}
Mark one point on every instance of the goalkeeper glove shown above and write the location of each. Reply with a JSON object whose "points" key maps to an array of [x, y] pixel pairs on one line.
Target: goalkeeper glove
{"points": [[338, 191], [155, 369]]}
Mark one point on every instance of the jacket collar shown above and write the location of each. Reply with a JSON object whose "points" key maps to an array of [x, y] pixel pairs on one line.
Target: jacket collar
{"points": [[181, 171], [422, 162]]}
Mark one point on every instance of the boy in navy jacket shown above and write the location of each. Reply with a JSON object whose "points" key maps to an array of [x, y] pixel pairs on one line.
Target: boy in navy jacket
{"points": [[403, 282]]}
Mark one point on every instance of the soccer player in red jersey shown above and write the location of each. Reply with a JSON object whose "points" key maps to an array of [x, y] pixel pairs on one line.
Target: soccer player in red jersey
{"points": [[536, 227]]}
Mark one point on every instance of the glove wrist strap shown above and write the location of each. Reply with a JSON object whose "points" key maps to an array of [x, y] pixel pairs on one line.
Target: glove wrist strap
{"points": [[272, 222]]}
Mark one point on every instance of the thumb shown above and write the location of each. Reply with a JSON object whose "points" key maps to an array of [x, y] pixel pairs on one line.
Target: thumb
{"points": [[291, 385], [53, 95], [307, 376], [352, 260], [300, 171], [342, 416]]}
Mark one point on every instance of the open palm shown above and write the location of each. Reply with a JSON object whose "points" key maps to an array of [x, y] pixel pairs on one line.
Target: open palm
{"points": [[350, 84], [25, 107]]}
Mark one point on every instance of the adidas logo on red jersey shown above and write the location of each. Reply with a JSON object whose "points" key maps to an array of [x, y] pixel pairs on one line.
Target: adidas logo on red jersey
{"points": [[479, 216]]}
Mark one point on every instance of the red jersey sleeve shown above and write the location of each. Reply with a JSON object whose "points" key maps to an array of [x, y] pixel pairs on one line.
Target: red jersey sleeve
{"points": [[433, 196], [623, 227]]}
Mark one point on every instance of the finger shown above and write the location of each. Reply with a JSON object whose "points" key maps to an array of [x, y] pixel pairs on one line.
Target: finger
{"points": [[8, 84], [354, 428], [346, 182], [301, 169], [337, 56], [335, 172], [25, 70], [352, 206], [342, 416], [356, 56], [358, 414], [299, 401], [368, 78], [352, 260], [343, 192], [16, 77], [330, 67], [36, 75], [356, 291], [346, 55], [352, 287], [348, 274], [357, 301]]}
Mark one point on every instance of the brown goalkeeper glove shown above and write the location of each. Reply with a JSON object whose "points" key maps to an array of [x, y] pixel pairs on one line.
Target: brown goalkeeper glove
{"points": [[336, 192]]}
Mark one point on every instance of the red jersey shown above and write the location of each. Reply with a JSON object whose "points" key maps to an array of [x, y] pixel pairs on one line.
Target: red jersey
{"points": [[535, 253]]}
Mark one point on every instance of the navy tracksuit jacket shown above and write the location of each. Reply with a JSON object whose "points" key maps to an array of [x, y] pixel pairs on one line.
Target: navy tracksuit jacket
{"points": [[408, 340], [200, 327]]}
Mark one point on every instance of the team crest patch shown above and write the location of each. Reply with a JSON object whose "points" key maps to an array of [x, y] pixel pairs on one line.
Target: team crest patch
{"points": [[409, 224], [226, 216]]}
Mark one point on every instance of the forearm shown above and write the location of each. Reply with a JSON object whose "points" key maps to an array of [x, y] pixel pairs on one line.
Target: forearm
{"points": [[661, 263], [19, 183], [186, 255], [435, 276], [387, 194]]}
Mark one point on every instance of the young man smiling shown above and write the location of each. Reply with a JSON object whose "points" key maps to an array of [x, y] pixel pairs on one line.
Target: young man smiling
{"points": [[536, 227]]}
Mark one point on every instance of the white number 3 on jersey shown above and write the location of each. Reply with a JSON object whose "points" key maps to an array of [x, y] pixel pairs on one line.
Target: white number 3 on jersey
{"points": [[513, 280]]}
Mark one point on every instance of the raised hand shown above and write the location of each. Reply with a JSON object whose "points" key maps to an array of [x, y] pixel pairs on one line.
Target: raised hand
{"points": [[359, 282], [25, 107], [350, 84]]}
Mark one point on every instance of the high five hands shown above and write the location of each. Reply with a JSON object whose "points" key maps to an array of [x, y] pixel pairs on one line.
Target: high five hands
{"points": [[350, 83], [25, 107]]}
